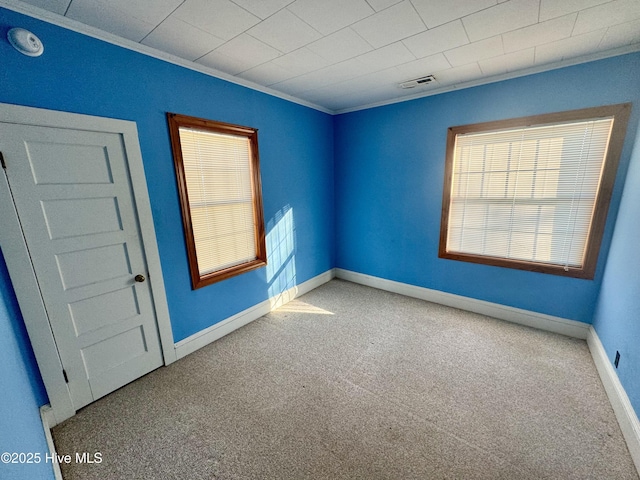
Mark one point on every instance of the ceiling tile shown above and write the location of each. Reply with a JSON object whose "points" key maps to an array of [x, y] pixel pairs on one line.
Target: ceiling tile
{"points": [[378, 5], [423, 66], [354, 86], [374, 82], [454, 76], [363, 88], [101, 15], [151, 11], [569, 47], [293, 86], [340, 46], [436, 13], [239, 54], [300, 61], [385, 57], [182, 39], [55, 6], [298, 85], [555, 8], [284, 31], [247, 51], [323, 17], [340, 72], [384, 80], [621, 35], [263, 8], [510, 62], [218, 17], [222, 62], [491, 47], [363, 98], [501, 18], [390, 25], [540, 33], [267, 74], [325, 76], [612, 13], [439, 39]]}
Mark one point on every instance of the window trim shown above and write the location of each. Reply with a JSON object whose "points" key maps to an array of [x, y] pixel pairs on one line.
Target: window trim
{"points": [[175, 121], [620, 113]]}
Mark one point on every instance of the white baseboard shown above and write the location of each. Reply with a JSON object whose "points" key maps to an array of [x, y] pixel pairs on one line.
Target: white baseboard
{"points": [[48, 422], [220, 329], [570, 328], [627, 417]]}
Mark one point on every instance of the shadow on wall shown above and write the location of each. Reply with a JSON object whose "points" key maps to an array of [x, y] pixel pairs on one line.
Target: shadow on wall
{"points": [[281, 257]]}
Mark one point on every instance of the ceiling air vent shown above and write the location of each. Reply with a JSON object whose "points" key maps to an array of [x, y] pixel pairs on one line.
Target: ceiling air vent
{"points": [[417, 81]]}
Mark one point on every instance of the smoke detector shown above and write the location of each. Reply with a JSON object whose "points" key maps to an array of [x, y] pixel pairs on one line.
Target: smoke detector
{"points": [[417, 81], [25, 42]]}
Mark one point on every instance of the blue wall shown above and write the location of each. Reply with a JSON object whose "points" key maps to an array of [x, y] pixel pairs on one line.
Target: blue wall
{"points": [[618, 312], [21, 391], [389, 177], [84, 75]]}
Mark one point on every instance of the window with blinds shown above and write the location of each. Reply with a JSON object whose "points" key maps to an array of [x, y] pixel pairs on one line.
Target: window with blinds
{"points": [[219, 185], [532, 193]]}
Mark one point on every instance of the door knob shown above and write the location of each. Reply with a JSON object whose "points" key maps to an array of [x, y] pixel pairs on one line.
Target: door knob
{"points": [[139, 278]]}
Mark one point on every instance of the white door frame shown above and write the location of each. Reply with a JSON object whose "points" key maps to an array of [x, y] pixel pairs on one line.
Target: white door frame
{"points": [[21, 270]]}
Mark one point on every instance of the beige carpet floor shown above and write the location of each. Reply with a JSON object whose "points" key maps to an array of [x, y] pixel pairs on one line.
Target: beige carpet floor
{"points": [[349, 382]]}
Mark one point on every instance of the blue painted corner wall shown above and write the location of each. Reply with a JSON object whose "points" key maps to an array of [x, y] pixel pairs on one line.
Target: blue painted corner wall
{"points": [[617, 316], [389, 169]]}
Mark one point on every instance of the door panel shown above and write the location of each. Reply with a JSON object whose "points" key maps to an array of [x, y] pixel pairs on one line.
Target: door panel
{"points": [[81, 216], [93, 313], [75, 164], [73, 195]]}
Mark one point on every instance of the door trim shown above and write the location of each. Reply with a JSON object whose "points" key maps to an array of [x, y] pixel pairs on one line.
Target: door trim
{"points": [[21, 271]]}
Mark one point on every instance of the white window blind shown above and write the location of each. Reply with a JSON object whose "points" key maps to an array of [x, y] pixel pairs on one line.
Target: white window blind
{"points": [[527, 193], [218, 175]]}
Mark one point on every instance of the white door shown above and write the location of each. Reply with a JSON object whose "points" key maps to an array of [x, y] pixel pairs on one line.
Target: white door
{"points": [[73, 194]]}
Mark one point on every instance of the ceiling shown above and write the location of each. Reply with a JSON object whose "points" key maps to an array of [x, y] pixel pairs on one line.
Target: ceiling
{"points": [[341, 55]]}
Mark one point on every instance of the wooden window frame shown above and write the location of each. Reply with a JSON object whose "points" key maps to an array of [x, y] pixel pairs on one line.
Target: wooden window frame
{"points": [[620, 113], [175, 121]]}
